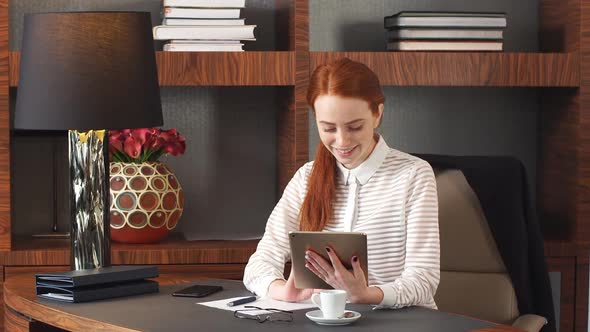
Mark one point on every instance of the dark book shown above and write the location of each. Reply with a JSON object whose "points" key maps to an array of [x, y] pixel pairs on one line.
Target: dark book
{"points": [[104, 275], [445, 20], [444, 34], [96, 292]]}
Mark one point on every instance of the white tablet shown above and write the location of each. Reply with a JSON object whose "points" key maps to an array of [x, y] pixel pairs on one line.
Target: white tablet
{"points": [[346, 245]]}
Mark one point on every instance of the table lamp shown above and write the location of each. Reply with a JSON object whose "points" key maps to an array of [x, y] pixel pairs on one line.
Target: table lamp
{"points": [[87, 72]]}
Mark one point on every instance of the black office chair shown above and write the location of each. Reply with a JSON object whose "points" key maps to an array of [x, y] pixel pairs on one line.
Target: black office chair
{"points": [[492, 259]]}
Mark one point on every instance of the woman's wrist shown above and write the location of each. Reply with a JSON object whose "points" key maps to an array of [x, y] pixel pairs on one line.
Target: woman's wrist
{"points": [[375, 295], [371, 295]]}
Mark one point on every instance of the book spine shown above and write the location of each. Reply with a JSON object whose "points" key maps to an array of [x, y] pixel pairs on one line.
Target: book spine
{"points": [[115, 276], [196, 21], [206, 3], [178, 12], [444, 22], [163, 32], [444, 34]]}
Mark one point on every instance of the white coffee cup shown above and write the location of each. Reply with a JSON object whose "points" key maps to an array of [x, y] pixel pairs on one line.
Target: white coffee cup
{"points": [[331, 302]]}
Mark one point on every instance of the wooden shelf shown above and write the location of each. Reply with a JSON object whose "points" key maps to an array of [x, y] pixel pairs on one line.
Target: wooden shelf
{"points": [[393, 68], [211, 68], [176, 250], [465, 68], [173, 250]]}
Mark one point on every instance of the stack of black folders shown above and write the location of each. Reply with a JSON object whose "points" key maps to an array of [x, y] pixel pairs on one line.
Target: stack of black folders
{"points": [[97, 284]]}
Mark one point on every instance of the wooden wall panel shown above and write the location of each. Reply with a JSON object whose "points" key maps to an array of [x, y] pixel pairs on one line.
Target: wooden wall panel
{"points": [[582, 229], [286, 137], [4, 131], [559, 26], [293, 120], [301, 23], [582, 266], [558, 163], [566, 266], [301, 116], [565, 129], [285, 25]]}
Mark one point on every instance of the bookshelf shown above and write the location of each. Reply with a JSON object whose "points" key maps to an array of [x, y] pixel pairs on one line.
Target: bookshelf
{"points": [[561, 72]]}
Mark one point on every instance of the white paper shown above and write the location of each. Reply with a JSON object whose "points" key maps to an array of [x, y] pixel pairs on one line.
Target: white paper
{"points": [[265, 302], [57, 296]]}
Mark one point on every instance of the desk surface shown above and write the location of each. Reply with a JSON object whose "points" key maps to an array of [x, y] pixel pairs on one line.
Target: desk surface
{"points": [[162, 312]]}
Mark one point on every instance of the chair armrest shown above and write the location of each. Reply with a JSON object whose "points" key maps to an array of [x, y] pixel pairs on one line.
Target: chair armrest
{"points": [[530, 323]]}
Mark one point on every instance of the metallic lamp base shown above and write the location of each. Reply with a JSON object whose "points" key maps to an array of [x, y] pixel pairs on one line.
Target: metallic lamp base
{"points": [[89, 199]]}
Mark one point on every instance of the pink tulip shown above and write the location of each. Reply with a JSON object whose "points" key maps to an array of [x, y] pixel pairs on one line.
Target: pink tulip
{"points": [[132, 147], [115, 140], [152, 142], [181, 145], [141, 134], [115, 144], [156, 144], [114, 134], [169, 135]]}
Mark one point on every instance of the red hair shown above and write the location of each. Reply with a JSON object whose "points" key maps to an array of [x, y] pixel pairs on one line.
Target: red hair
{"points": [[344, 78]]}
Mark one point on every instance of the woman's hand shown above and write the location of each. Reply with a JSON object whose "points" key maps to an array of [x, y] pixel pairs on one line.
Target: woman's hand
{"points": [[337, 276], [286, 291]]}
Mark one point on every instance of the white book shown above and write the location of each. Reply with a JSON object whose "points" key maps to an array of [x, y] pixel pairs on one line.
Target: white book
{"points": [[206, 3], [202, 41], [444, 34], [198, 21], [220, 32], [180, 12], [188, 47], [421, 45]]}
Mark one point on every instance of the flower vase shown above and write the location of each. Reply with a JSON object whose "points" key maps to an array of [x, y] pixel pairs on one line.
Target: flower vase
{"points": [[146, 201]]}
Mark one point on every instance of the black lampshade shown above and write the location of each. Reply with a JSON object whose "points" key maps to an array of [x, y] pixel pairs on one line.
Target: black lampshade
{"points": [[88, 70]]}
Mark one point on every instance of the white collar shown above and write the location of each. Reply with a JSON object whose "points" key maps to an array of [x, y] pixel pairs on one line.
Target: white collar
{"points": [[363, 172]]}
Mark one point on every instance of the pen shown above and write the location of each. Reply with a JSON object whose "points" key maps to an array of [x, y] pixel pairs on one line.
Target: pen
{"points": [[242, 301]]}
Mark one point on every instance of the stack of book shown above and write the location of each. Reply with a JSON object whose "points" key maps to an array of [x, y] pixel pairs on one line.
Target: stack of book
{"points": [[203, 26], [97, 284], [445, 31]]}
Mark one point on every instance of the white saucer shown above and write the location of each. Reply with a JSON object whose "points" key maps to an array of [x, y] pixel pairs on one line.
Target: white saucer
{"points": [[318, 317]]}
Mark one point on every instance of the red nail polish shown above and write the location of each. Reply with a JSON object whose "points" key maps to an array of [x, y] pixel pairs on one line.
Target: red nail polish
{"points": [[354, 258]]}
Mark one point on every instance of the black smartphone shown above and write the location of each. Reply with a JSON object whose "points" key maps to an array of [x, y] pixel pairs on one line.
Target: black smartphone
{"points": [[198, 291]]}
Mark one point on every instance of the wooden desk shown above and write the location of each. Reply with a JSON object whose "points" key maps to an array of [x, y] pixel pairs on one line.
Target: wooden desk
{"points": [[24, 312]]}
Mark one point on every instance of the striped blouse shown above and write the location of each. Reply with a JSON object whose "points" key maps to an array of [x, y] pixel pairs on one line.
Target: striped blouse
{"points": [[392, 198]]}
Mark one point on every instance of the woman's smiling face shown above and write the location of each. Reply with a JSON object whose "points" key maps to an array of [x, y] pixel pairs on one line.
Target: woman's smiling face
{"points": [[346, 127]]}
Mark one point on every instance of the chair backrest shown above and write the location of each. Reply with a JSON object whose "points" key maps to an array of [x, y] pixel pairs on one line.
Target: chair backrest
{"points": [[474, 280]]}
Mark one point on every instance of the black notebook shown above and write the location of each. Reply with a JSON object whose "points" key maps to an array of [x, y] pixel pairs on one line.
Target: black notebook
{"points": [[96, 284], [98, 292]]}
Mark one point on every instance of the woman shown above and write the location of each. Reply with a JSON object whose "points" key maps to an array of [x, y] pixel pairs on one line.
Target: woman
{"points": [[356, 183]]}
